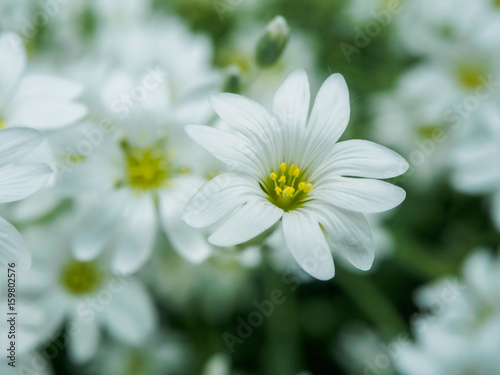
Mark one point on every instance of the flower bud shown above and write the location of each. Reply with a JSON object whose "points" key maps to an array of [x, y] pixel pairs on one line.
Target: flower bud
{"points": [[273, 42]]}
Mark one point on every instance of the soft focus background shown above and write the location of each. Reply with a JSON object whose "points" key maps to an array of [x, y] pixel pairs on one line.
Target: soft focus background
{"points": [[423, 77]]}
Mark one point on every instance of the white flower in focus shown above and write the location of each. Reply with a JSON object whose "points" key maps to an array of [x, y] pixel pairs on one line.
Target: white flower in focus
{"points": [[461, 334], [18, 180], [85, 295], [288, 167], [33, 100]]}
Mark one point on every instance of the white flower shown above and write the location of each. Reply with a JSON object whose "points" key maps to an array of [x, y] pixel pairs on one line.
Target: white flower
{"points": [[144, 173], [164, 353], [451, 23], [18, 180], [289, 167], [84, 294], [460, 336], [33, 100], [475, 170]]}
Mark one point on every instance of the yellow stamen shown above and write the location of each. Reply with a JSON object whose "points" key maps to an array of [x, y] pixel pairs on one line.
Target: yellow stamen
{"points": [[283, 166], [274, 176], [278, 190], [282, 179], [307, 188], [301, 185], [296, 172]]}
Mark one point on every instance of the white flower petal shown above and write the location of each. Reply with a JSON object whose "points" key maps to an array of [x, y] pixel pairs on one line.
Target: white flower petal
{"points": [[331, 110], [12, 246], [12, 64], [137, 235], [308, 245], [245, 116], [188, 242], [17, 143], [41, 86], [131, 315], [99, 225], [46, 113], [348, 234], [291, 101], [249, 221], [20, 181], [216, 199], [84, 344], [358, 158], [231, 149], [361, 195]]}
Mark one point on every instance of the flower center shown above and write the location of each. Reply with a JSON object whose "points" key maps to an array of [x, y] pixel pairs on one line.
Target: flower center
{"points": [[2, 123], [287, 188], [471, 76], [150, 167], [429, 131], [81, 277]]}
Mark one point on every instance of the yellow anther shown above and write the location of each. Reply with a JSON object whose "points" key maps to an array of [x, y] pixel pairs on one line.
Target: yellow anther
{"points": [[296, 172], [282, 179], [278, 190], [291, 169], [283, 166], [301, 185], [288, 191], [307, 188], [274, 176]]}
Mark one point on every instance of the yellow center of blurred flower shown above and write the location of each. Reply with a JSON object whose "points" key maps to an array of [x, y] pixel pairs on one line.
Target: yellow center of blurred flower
{"points": [[429, 131], [287, 188], [2, 123], [150, 167], [81, 277], [471, 76]]}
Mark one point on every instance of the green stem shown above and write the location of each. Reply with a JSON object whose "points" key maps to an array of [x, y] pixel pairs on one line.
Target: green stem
{"points": [[373, 302]]}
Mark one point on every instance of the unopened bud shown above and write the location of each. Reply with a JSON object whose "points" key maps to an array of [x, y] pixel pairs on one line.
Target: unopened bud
{"points": [[273, 42]]}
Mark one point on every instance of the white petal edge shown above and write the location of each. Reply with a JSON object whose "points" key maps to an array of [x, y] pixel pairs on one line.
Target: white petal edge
{"points": [[292, 99], [361, 195], [16, 143], [12, 246], [21, 180], [255, 217], [308, 244]]}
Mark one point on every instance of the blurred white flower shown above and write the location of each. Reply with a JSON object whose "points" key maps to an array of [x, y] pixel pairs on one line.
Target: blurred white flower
{"points": [[85, 295], [224, 279], [461, 333], [288, 167], [450, 24], [474, 157], [34, 100], [19, 179], [164, 353]]}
